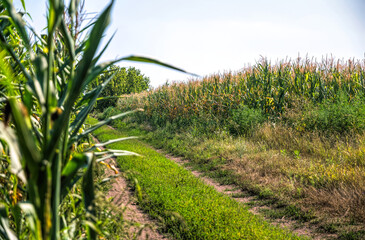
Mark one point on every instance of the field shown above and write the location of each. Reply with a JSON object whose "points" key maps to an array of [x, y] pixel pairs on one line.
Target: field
{"points": [[292, 131], [290, 135]]}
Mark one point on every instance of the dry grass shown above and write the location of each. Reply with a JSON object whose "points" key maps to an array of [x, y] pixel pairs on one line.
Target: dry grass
{"points": [[294, 166], [330, 188]]}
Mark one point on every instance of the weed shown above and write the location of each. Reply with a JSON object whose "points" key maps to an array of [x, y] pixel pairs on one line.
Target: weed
{"points": [[358, 235]]}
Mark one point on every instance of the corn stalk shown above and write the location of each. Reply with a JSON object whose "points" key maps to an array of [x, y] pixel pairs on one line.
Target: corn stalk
{"points": [[46, 97]]}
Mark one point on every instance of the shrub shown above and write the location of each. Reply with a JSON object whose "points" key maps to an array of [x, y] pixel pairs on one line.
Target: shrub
{"points": [[244, 119], [343, 115]]}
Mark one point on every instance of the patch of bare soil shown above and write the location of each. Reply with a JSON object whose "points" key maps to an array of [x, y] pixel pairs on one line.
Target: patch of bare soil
{"points": [[244, 197]]}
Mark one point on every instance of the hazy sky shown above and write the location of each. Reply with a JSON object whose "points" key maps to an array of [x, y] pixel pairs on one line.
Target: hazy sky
{"points": [[210, 36]]}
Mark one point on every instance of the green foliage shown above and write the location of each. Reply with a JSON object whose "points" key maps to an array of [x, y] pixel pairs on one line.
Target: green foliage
{"points": [[121, 81], [352, 235], [344, 115], [245, 119]]}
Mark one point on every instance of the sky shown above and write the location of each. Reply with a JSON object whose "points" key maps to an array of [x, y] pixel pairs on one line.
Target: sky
{"points": [[214, 36]]}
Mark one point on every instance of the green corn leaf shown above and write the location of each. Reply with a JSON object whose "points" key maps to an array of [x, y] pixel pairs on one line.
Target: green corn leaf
{"points": [[89, 199], [17, 214], [109, 97], [69, 172], [91, 225], [150, 60], [114, 153], [7, 134], [97, 70], [81, 117], [28, 148], [23, 4], [91, 23], [96, 59], [68, 40], [109, 142], [55, 11], [72, 7], [31, 219], [105, 157], [9, 49], [19, 24], [86, 99], [91, 47], [5, 230], [41, 65], [7, 75], [102, 123]]}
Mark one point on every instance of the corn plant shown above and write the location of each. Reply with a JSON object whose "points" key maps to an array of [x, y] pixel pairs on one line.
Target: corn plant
{"points": [[45, 99]]}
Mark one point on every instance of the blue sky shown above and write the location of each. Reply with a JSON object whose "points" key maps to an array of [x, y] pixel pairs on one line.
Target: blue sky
{"points": [[211, 36]]}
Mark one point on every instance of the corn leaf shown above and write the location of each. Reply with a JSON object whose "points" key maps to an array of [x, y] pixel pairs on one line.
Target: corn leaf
{"points": [[109, 142], [5, 230], [69, 173], [89, 197], [102, 123], [81, 117], [7, 134], [150, 60], [26, 140], [31, 218], [18, 23]]}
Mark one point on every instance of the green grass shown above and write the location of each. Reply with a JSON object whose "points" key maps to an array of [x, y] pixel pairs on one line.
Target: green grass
{"points": [[188, 208]]}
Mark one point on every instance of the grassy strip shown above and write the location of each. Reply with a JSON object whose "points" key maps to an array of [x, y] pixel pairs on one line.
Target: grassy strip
{"points": [[188, 208]]}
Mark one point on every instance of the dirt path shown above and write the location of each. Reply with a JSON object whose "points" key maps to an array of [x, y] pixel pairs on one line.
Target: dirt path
{"points": [[123, 196], [301, 229]]}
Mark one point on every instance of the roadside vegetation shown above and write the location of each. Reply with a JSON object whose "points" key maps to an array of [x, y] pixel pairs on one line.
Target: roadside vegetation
{"points": [[292, 132], [187, 208]]}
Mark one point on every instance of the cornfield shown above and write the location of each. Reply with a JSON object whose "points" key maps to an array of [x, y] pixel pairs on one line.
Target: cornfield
{"points": [[299, 122], [269, 88]]}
